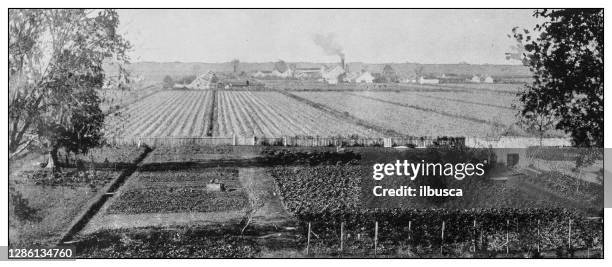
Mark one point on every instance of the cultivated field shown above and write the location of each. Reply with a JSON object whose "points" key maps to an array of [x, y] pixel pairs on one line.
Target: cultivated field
{"points": [[510, 88], [464, 110], [271, 114], [503, 101], [446, 104], [407, 120], [180, 191], [165, 114]]}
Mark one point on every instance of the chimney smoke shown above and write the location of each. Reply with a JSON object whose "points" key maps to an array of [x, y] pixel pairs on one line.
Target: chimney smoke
{"points": [[330, 46]]}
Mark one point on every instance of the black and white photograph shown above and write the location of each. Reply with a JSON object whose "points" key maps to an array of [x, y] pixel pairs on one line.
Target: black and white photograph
{"points": [[286, 133]]}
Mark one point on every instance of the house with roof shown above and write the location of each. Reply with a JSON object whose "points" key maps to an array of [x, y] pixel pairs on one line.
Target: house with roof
{"points": [[307, 73], [428, 80], [334, 75], [489, 79], [286, 74], [365, 77], [475, 79]]}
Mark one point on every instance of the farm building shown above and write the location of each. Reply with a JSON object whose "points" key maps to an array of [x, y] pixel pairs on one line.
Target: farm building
{"points": [[307, 73], [428, 80], [205, 81], [179, 86], [351, 76], [452, 80], [475, 79], [489, 79], [262, 74], [334, 75], [365, 77], [286, 74]]}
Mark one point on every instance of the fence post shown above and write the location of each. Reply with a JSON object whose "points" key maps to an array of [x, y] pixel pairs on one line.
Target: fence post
{"points": [[442, 238], [308, 242], [538, 235], [284, 140], [409, 230], [569, 235], [375, 236], [341, 237], [234, 139], [481, 244], [253, 142], [507, 237], [474, 236]]}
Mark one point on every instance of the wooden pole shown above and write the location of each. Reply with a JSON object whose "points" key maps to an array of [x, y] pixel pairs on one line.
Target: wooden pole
{"points": [[409, 230], [442, 238], [474, 236], [569, 235], [308, 242], [507, 237], [481, 244], [538, 235], [341, 237], [375, 236]]}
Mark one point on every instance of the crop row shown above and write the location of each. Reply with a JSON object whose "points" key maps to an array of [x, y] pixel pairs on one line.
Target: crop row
{"points": [[406, 120], [270, 114], [273, 115], [468, 111], [166, 114]]}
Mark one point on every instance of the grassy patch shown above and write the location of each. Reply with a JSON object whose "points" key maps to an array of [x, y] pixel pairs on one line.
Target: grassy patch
{"points": [[42, 205]]}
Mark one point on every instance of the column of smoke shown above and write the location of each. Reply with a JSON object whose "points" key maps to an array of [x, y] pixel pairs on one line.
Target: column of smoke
{"points": [[330, 46]]}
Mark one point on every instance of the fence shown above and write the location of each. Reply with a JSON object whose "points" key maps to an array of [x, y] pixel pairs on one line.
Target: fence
{"points": [[289, 141], [510, 237], [408, 141]]}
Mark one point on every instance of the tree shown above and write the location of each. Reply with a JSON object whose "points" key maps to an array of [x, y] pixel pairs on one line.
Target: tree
{"points": [[585, 158], [168, 82], [281, 66], [566, 58], [537, 121], [390, 74], [55, 67]]}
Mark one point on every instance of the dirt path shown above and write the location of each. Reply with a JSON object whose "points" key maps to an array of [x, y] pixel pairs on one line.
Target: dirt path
{"points": [[120, 221], [260, 184]]}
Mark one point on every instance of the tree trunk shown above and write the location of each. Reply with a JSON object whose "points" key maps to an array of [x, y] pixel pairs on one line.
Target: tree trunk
{"points": [[53, 160]]}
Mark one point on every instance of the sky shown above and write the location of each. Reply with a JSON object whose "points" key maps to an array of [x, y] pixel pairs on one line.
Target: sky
{"points": [[370, 36]]}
